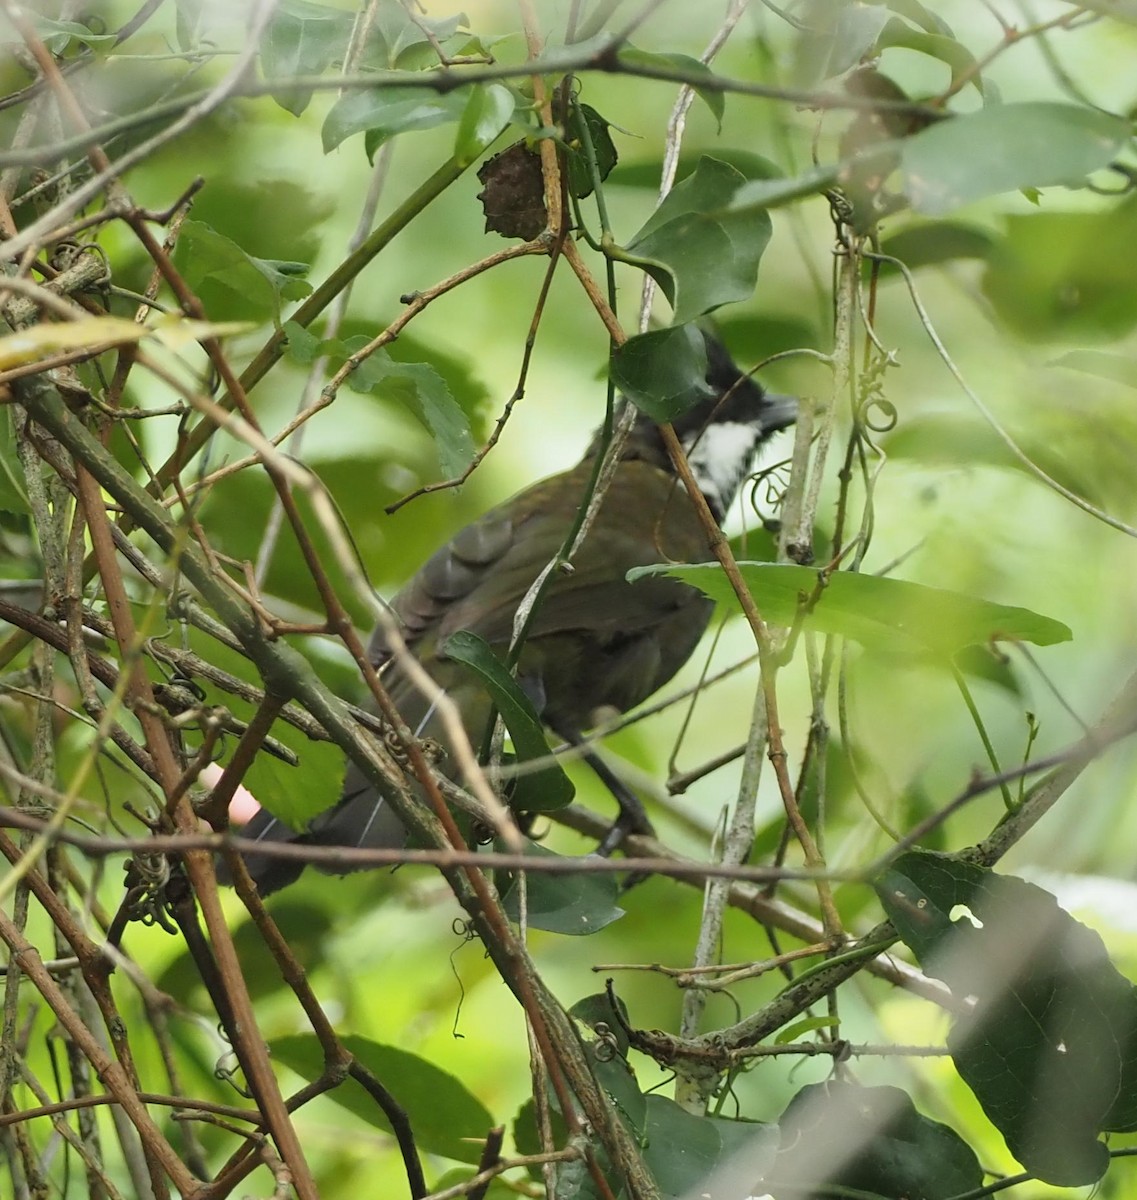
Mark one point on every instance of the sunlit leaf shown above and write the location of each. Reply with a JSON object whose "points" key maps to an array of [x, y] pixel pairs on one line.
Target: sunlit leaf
{"points": [[1004, 147], [207, 257], [385, 111], [486, 114], [877, 611], [702, 251], [302, 38]]}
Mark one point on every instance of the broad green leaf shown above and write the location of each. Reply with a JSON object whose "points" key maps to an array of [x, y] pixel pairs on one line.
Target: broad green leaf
{"points": [[834, 46], [207, 257], [580, 179], [302, 39], [297, 794], [57, 35], [600, 1031], [702, 252], [188, 22], [486, 114], [403, 43], [753, 1143], [838, 1138], [385, 111], [1048, 1040], [680, 1149], [446, 1118], [577, 904], [303, 345], [925, 18], [764, 194], [1004, 147], [933, 242], [692, 69], [662, 372], [537, 789], [1061, 275], [936, 45], [882, 613], [420, 387]]}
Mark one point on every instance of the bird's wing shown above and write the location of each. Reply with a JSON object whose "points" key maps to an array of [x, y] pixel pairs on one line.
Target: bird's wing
{"points": [[479, 578]]}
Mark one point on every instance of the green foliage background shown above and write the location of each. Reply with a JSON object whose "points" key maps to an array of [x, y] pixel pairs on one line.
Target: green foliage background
{"points": [[1035, 298]]}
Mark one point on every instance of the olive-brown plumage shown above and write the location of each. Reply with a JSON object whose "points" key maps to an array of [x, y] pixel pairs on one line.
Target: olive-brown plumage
{"points": [[596, 640]]}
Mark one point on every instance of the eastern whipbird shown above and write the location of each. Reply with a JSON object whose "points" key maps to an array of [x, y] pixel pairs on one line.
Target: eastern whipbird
{"points": [[596, 642]]}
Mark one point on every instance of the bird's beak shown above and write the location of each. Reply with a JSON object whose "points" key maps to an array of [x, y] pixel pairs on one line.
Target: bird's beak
{"points": [[778, 412]]}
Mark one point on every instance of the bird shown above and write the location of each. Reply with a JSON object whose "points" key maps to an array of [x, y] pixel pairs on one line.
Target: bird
{"points": [[597, 642]]}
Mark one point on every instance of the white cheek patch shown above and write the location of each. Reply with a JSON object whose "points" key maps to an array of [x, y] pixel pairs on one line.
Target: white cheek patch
{"points": [[720, 459]]}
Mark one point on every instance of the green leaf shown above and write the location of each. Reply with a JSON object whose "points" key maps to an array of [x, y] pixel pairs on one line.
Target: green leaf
{"points": [[662, 372], [879, 612], [423, 390], [577, 904], [603, 148], [936, 45], [537, 789], [600, 1032], [692, 69], [205, 256], [1048, 1039], [835, 45], [839, 1138], [302, 39], [807, 1025], [701, 251], [13, 498], [915, 12], [934, 242], [385, 111], [57, 35], [1060, 275], [445, 1117], [303, 345], [753, 1143], [405, 43], [764, 194], [487, 113], [297, 794], [680, 1149], [1004, 147]]}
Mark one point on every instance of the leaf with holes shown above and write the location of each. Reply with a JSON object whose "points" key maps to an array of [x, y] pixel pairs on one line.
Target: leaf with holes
{"points": [[1048, 1038]]}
